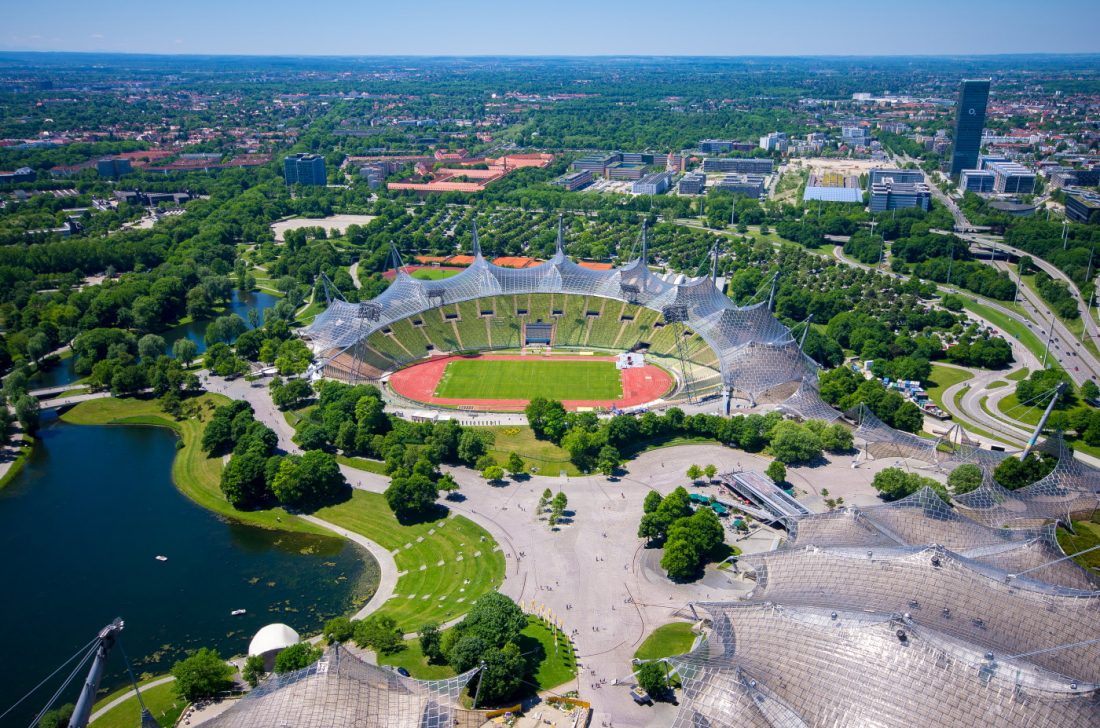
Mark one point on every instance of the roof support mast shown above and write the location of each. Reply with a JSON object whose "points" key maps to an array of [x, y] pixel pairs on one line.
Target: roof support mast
{"points": [[1043, 420]]}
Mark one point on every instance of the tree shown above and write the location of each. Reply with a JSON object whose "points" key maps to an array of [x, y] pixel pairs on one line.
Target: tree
{"points": [[503, 672], [965, 478], [26, 411], [379, 632], [651, 527], [431, 643], [777, 471], [652, 501], [57, 718], [291, 394], [516, 465], [559, 503], [466, 652], [185, 350], [651, 678], [150, 347], [338, 629], [694, 472], [225, 329], [313, 437], [311, 479], [895, 483], [493, 473], [202, 675], [1089, 390], [607, 461], [710, 471], [794, 443], [702, 530], [410, 496], [496, 619], [680, 560], [471, 446], [297, 657], [243, 480]]}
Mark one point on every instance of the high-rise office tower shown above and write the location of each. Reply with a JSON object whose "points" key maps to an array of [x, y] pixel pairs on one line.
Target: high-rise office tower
{"points": [[304, 169], [969, 123]]}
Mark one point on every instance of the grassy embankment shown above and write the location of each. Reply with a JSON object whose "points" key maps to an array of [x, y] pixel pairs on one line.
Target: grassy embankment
{"points": [[196, 475], [1076, 326], [443, 565], [942, 378], [1017, 330], [25, 447], [1087, 535], [542, 454], [161, 700], [667, 640]]}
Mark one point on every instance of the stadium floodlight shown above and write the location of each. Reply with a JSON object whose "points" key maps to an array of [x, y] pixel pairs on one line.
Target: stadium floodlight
{"points": [[370, 311], [675, 313]]}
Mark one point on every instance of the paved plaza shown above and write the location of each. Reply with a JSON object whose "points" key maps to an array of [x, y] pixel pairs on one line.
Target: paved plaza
{"points": [[593, 574]]}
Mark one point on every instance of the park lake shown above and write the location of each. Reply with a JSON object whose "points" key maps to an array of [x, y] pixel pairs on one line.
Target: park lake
{"points": [[64, 372], [81, 526]]}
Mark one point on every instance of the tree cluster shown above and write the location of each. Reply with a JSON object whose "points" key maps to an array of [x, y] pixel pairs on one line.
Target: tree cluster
{"points": [[689, 536]]}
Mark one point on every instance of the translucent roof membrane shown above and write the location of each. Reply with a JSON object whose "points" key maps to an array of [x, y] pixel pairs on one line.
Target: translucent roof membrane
{"points": [[771, 664], [341, 691], [945, 591], [755, 352]]}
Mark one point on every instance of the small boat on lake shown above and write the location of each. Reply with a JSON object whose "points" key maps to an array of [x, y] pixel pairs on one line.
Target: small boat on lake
{"points": [[238, 612]]}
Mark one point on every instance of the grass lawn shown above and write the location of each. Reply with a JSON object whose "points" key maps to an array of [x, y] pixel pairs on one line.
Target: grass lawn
{"points": [[554, 666], [1087, 536], [548, 667], [370, 466], [443, 565], [307, 314], [1025, 335], [195, 474], [412, 659], [996, 384], [433, 274], [665, 641], [942, 378], [1019, 375], [542, 454], [161, 700], [1010, 408], [496, 379]]}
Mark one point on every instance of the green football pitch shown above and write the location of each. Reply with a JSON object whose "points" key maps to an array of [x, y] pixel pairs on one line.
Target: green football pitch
{"points": [[520, 379]]}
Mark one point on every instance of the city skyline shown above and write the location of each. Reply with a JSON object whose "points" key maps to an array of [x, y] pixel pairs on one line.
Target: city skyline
{"points": [[487, 27]]}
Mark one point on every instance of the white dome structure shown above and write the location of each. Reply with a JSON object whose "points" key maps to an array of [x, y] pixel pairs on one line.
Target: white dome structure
{"points": [[271, 639]]}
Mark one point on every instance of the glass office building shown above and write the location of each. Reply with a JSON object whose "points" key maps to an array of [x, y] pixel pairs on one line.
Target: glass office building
{"points": [[969, 122]]}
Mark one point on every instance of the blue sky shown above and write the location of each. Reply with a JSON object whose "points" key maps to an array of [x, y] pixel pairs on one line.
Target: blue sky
{"points": [[558, 27]]}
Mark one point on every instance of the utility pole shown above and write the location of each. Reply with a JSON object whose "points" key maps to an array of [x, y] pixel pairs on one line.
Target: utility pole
{"points": [[1050, 336]]}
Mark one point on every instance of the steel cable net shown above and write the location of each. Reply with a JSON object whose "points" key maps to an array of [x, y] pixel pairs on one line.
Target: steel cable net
{"points": [[756, 354], [807, 404], [944, 591], [799, 665], [924, 518], [882, 441], [341, 690], [1069, 491]]}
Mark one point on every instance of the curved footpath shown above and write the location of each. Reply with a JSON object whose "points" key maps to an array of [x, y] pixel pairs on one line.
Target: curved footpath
{"points": [[128, 695], [387, 567]]}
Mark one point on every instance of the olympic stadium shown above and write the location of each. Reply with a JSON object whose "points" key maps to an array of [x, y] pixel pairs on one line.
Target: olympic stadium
{"points": [[707, 346]]}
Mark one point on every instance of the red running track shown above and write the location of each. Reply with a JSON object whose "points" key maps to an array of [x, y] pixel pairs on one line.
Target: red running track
{"points": [[419, 382]]}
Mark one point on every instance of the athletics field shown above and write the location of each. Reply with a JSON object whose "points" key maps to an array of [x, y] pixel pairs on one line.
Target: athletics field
{"points": [[508, 382]]}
